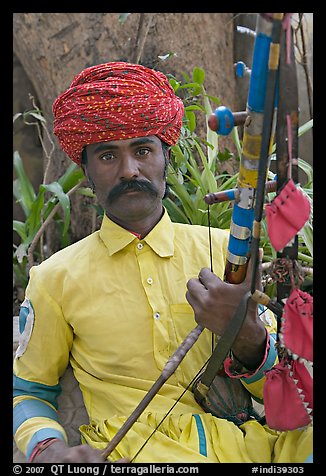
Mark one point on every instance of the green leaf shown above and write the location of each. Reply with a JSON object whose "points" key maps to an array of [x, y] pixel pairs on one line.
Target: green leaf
{"points": [[209, 182], [191, 120], [64, 200], [19, 227], [307, 234], [24, 190], [214, 99], [236, 140], [175, 212], [182, 194], [307, 168], [198, 75], [178, 155], [175, 84], [34, 218], [73, 175], [194, 107], [196, 88]]}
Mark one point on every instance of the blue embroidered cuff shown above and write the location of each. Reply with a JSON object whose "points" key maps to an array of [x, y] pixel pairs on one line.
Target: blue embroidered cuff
{"points": [[267, 364], [251, 376]]}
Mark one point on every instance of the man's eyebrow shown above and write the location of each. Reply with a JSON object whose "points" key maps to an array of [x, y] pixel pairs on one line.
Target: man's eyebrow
{"points": [[142, 140], [109, 146], [104, 146]]}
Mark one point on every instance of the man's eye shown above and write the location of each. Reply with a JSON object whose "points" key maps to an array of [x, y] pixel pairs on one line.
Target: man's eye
{"points": [[143, 151], [107, 156]]}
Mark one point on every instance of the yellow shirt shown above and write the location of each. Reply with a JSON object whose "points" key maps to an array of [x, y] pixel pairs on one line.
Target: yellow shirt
{"points": [[115, 307]]}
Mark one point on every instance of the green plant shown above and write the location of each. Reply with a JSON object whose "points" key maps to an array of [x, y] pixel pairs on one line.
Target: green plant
{"points": [[195, 167], [51, 203], [39, 210]]}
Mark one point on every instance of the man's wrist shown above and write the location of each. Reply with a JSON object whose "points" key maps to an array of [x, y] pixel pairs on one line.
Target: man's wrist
{"points": [[41, 446], [250, 346], [236, 369]]}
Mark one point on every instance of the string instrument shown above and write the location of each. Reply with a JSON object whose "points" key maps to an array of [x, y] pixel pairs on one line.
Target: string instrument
{"points": [[249, 194], [247, 213]]}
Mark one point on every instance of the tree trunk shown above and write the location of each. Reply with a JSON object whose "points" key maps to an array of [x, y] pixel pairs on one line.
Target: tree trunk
{"points": [[54, 47]]}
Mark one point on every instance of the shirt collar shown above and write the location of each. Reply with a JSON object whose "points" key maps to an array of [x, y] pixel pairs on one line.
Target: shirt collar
{"points": [[160, 238]]}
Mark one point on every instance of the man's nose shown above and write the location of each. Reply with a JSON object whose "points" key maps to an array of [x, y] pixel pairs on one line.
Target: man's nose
{"points": [[128, 168]]}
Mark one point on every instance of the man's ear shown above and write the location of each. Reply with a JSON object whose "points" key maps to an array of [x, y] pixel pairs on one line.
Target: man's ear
{"points": [[169, 154], [90, 181], [167, 157], [84, 169]]}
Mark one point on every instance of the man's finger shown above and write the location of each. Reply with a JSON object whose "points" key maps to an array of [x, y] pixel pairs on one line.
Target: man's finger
{"points": [[195, 284], [207, 277]]}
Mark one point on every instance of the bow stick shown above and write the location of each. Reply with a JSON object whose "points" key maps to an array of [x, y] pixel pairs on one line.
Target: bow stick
{"points": [[251, 187], [193, 336]]}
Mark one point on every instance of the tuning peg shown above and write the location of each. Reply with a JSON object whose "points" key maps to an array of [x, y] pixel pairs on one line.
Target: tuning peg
{"points": [[241, 69], [223, 120]]}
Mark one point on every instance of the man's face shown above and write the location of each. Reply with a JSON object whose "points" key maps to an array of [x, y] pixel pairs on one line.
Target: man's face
{"points": [[129, 176]]}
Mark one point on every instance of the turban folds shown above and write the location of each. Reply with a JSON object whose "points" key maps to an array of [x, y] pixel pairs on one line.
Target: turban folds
{"points": [[115, 101]]}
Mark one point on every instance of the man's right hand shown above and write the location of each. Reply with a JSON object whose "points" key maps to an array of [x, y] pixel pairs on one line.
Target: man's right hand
{"points": [[60, 452]]}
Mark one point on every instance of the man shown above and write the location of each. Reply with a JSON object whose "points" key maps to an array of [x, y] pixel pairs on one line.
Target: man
{"points": [[118, 303]]}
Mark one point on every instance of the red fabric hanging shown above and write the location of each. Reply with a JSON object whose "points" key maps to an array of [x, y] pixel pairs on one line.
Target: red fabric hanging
{"points": [[285, 402], [286, 215], [297, 324], [288, 390], [305, 383]]}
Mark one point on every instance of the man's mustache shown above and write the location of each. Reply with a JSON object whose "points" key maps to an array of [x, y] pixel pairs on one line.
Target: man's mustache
{"points": [[132, 185]]}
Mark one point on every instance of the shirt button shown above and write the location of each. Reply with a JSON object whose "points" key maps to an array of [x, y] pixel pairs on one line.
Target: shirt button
{"points": [[140, 246], [149, 280], [157, 315]]}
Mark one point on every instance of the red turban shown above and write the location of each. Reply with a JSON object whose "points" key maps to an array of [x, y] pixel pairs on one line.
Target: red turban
{"points": [[115, 101]]}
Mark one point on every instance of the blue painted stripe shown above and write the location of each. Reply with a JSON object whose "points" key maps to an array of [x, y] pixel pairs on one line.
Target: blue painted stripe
{"points": [[238, 247], [30, 409], [259, 73], [269, 362], [40, 436], [201, 435], [241, 217], [230, 194], [34, 389]]}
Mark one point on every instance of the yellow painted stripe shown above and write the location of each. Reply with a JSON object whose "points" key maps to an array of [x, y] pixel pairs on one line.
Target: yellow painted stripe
{"points": [[27, 429], [274, 55], [251, 146], [247, 178]]}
